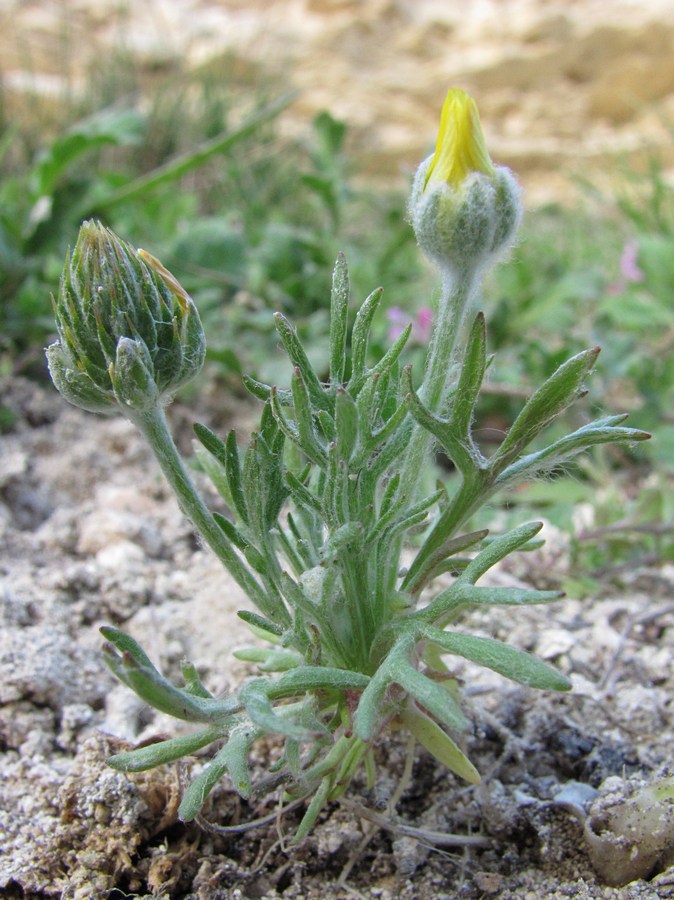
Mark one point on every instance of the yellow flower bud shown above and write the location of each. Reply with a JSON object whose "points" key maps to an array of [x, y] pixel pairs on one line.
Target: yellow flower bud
{"points": [[464, 210], [460, 148]]}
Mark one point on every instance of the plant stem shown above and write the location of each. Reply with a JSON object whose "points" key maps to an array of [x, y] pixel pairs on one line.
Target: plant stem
{"points": [[444, 351], [152, 424]]}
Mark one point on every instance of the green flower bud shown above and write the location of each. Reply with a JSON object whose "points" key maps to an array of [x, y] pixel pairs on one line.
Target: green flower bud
{"points": [[128, 334], [464, 210]]}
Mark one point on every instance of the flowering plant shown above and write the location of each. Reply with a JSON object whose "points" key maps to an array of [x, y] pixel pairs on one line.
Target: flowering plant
{"points": [[326, 491]]}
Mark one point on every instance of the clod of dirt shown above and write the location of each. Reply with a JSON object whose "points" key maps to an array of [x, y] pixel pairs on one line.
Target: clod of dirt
{"points": [[630, 829], [103, 818]]}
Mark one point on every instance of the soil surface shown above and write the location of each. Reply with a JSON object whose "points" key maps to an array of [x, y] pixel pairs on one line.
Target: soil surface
{"points": [[90, 535]]}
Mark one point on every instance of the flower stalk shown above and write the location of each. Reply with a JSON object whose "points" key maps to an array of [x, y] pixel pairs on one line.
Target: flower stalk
{"points": [[153, 426], [443, 359]]}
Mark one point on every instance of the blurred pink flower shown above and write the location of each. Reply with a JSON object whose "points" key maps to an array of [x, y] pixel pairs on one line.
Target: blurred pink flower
{"points": [[422, 324], [630, 273]]}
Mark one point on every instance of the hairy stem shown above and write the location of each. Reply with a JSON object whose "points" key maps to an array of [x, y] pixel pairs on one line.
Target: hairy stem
{"points": [[152, 424], [443, 355]]}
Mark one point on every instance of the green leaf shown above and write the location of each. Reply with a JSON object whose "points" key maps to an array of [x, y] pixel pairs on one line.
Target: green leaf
{"points": [[301, 494], [298, 357], [346, 423], [507, 661], [260, 626], [543, 461], [126, 644], [359, 337], [226, 453], [263, 488], [318, 801], [308, 438], [334, 505], [372, 710], [270, 660], [368, 405], [498, 549], [389, 495], [396, 668], [252, 486], [215, 472], [439, 744], [298, 600], [163, 751], [275, 491], [314, 678], [339, 309], [263, 391], [259, 707], [232, 758], [231, 532], [388, 430], [470, 380], [256, 560], [288, 427], [392, 523], [326, 423], [460, 596], [558, 392], [346, 535], [193, 683], [196, 794], [237, 749], [446, 550], [391, 451], [429, 694], [390, 358], [133, 667], [453, 442], [350, 764]]}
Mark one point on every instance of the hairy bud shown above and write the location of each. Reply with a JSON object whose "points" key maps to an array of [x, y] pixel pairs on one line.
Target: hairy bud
{"points": [[128, 334], [464, 210]]}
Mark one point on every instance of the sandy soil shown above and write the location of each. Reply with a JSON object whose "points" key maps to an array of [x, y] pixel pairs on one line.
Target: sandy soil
{"points": [[90, 535]]}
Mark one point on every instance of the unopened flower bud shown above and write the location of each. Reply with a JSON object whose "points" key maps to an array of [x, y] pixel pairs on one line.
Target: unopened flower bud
{"points": [[464, 210], [128, 334]]}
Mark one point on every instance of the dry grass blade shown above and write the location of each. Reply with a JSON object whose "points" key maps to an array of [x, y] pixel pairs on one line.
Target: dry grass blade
{"points": [[425, 835], [249, 826]]}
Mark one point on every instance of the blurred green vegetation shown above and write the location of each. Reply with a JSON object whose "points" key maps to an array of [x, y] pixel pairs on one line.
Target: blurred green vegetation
{"points": [[194, 167], [597, 274]]}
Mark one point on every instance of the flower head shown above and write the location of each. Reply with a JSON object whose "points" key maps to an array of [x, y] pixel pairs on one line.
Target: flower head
{"points": [[128, 334], [464, 210], [460, 148]]}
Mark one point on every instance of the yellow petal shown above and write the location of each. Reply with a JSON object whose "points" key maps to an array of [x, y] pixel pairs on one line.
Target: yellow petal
{"points": [[460, 148]]}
